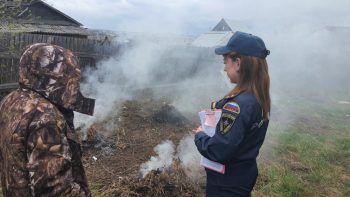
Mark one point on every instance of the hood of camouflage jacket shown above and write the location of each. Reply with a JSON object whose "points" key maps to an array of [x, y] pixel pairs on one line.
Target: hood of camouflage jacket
{"points": [[54, 72]]}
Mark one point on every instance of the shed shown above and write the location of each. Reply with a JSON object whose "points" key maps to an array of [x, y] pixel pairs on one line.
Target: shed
{"points": [[231, 25], [220, 34], [212, 39], [39, 22]]}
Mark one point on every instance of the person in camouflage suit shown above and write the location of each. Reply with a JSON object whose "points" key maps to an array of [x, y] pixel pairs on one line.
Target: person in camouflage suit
{"points": [[39, 150]]}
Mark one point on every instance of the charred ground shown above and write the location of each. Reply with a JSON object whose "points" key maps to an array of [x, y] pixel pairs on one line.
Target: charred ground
{"points": [[306, 152], [140, 125]]}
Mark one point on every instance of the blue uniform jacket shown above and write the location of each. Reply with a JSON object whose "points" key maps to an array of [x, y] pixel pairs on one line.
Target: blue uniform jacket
{"points": [[237, 140]]}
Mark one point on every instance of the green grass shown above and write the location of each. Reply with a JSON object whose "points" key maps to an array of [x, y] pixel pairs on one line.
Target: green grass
{"points": [[308, 156], [280, 181]]}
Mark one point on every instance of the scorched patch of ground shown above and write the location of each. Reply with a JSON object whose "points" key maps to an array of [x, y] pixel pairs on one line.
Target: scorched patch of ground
{"points": [[112, 156]]}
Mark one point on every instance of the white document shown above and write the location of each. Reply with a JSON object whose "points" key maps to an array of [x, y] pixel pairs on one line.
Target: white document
{"points": [[209, 119]]}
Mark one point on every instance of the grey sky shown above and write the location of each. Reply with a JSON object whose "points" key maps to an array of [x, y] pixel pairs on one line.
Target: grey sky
{"points": [[196, 16]]}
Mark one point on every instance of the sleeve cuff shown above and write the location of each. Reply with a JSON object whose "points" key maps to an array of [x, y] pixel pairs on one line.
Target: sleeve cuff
{"points": [[199, 135]]}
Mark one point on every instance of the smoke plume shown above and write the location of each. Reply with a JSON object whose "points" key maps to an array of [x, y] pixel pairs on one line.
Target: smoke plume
{"points": [[186, 152], [190, 158], [165, 157]]}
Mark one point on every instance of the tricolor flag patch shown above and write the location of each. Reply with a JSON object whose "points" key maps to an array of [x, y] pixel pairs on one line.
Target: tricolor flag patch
{"points": [[232, 107]]}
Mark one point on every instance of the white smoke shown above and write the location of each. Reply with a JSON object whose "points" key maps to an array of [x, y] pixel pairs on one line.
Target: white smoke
{"points": [[165, 157], [115, 79], [186, 152], [316, 54], [308, 60], [166, 64], [189, 156], [299, 50]]}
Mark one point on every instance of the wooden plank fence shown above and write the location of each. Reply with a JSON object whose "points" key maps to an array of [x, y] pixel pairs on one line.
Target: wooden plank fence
{"points": [[16, 43], [8, 70], [12, 46], [8, 75]]}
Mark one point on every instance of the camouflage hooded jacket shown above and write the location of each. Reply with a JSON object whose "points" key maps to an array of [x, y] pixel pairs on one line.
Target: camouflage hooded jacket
{"points": [[39, 155]]}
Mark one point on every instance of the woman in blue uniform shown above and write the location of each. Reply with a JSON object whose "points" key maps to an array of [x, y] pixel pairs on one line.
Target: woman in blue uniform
{"points": [[244, 120]]}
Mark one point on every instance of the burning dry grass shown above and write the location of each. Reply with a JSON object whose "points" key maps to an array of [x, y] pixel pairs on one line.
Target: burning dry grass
{"points": [[139, 127], [172, 182], [304, 160]]}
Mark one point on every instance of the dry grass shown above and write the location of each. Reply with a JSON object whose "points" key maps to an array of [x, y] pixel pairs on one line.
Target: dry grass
{"points": [[169, 183]]}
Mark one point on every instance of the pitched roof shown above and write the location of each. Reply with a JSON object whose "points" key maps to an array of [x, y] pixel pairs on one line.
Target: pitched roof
{"points": [[56, 10], [29, 14], [231, 25], [212, 39]]}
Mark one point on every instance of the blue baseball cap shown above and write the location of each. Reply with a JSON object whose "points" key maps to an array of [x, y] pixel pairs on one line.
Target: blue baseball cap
{"points": [[244, 44]]}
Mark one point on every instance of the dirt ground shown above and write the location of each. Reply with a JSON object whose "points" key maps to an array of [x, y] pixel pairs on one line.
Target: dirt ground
{"points": [[115, 149]]}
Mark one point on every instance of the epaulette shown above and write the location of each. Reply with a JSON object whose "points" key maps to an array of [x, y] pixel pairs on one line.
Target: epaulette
{"points": [[218, 104], [213, 105], [231, 96]]}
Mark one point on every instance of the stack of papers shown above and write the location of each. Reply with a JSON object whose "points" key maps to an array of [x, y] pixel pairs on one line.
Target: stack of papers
{"points": [[209, 119]]}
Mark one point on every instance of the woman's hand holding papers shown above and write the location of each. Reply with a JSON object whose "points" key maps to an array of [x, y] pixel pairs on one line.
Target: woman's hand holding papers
{"points": [[197, 130]]}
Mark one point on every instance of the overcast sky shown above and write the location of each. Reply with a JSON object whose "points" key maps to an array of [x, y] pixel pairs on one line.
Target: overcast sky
{"points": [[196, 16]]}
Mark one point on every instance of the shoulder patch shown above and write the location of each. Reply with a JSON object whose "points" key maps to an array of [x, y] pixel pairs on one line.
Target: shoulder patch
{"points": [[232, 107], [226, 122]]}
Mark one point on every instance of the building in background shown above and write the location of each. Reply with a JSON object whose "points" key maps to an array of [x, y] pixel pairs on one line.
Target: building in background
{"points": [[220, 34], [37, 22]]}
